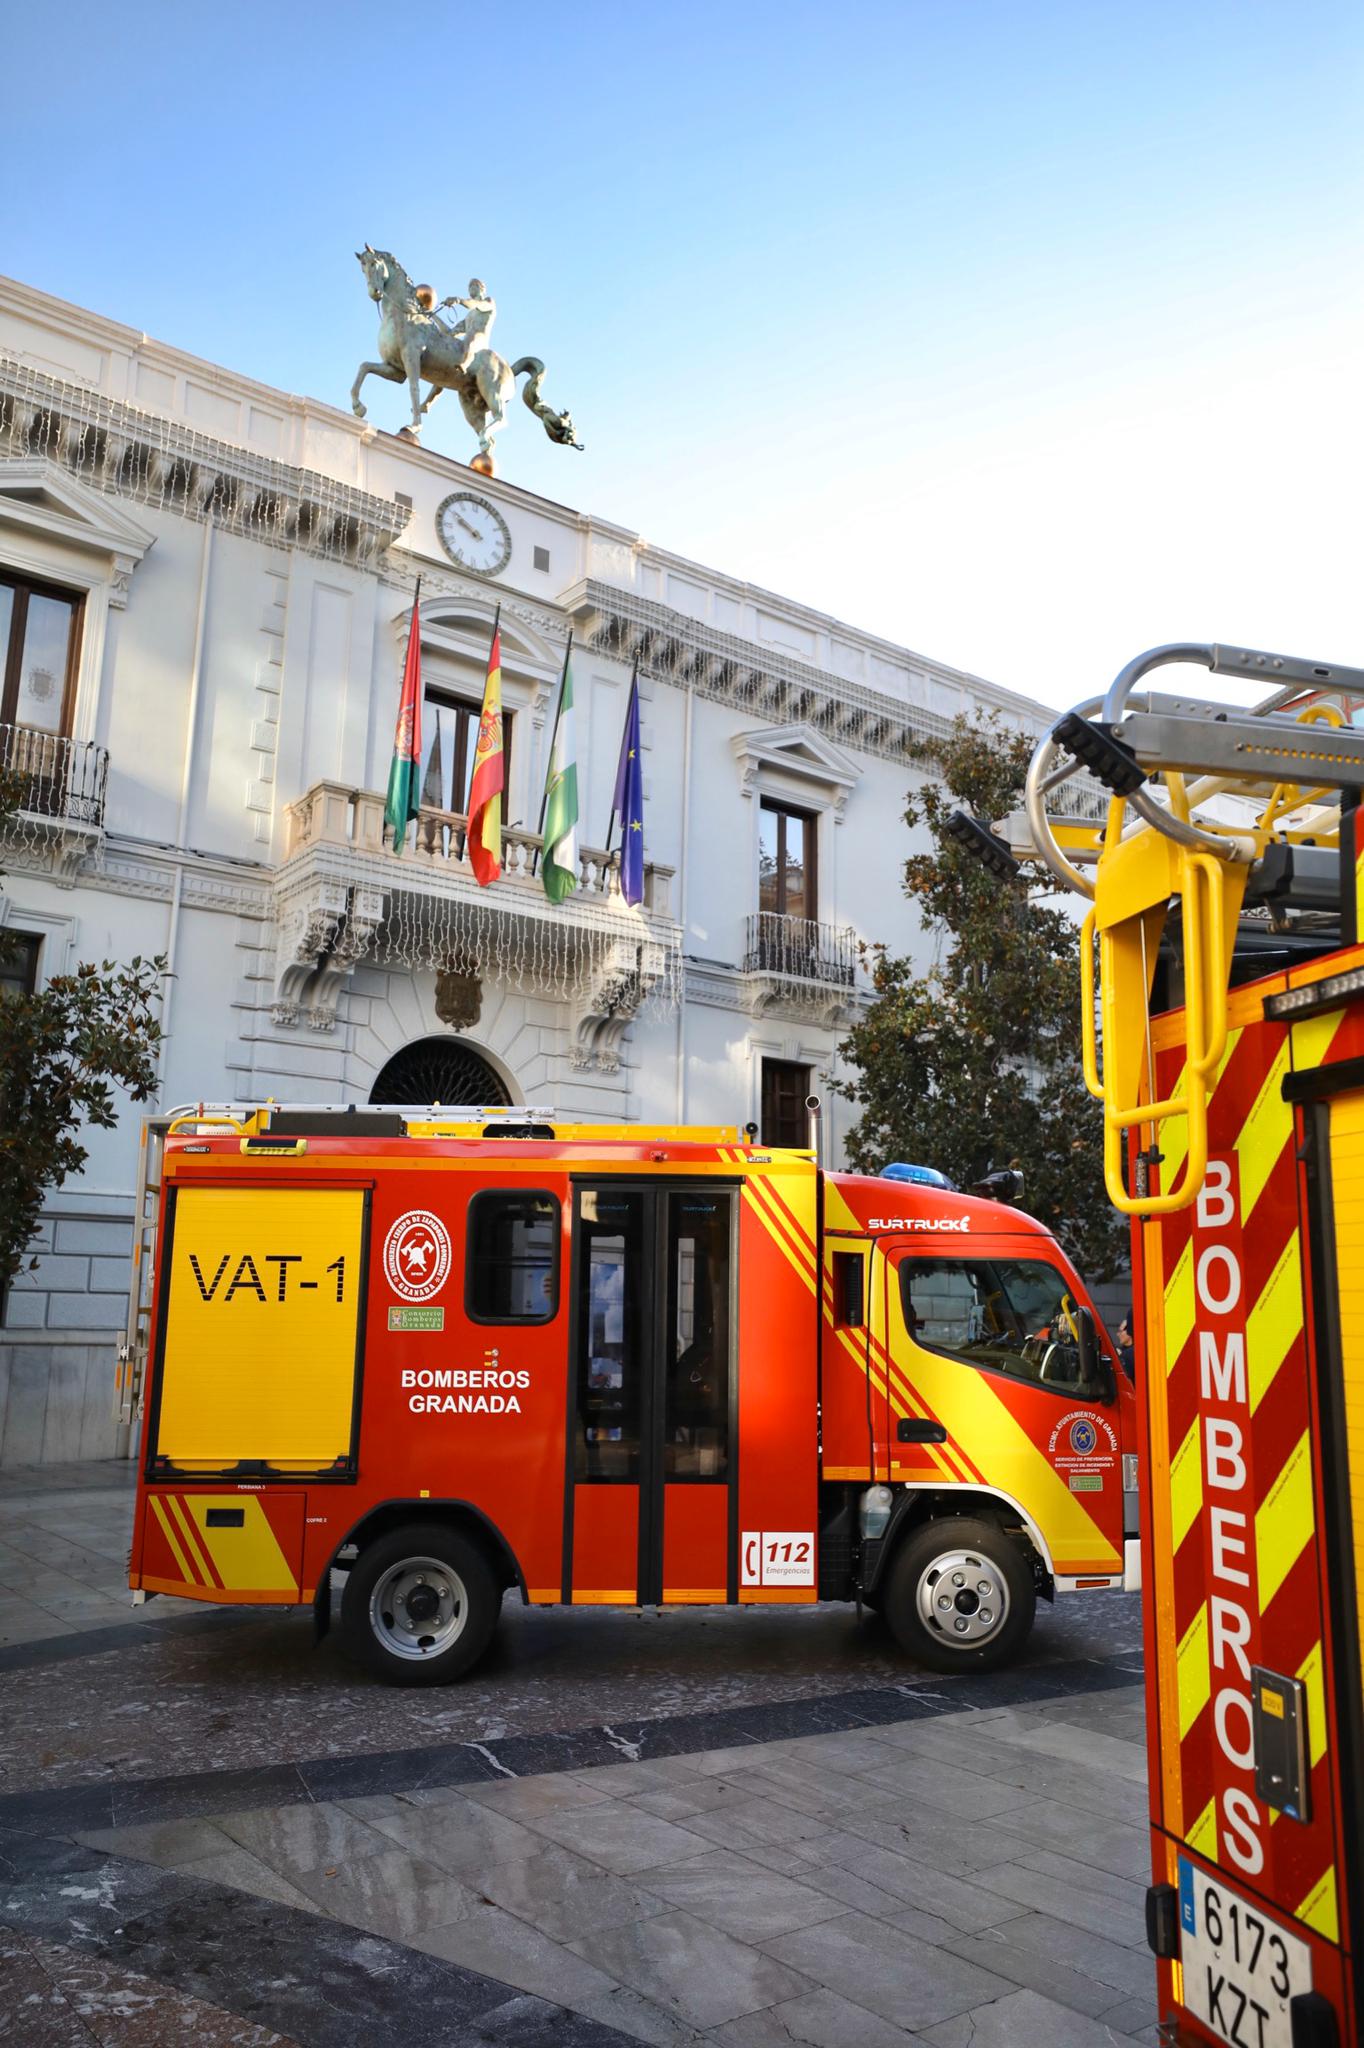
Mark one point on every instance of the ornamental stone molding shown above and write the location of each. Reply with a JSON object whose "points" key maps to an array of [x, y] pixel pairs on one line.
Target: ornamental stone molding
{"points": [[668, 645], [124, 452], [621, 978], [41, 501], [439, 586], [799, 754]]}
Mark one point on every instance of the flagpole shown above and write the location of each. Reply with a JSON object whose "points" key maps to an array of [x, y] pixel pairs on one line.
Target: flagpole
{"points": [[634, 682], [554, 734]]}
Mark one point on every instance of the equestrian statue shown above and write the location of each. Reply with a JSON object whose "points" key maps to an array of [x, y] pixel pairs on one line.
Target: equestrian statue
{"points": [[416, 341]]}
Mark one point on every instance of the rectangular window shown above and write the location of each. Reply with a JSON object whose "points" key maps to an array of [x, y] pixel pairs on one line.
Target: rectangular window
{"points": [[786, 861], [19, 953], [696, 1407], [450, 734], [849, 1283], [39, 637], [513, 1260], [785, 1120], [1016, 1316], [612, 1338]]}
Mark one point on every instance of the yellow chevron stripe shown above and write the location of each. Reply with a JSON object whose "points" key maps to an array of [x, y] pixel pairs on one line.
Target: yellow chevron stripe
{"points": [[1275, 1322], [1264, 1133], [1195, 1679], [1284, 1521], [1179, 1305], [1311, 1039], [247, 1559], [1310, 1672], [1319, 1908], [1186, 1485], [797, 1250], [1173, 1134], [180, 1514], [159, 1510], [1202, 1837], [782, 1241]]}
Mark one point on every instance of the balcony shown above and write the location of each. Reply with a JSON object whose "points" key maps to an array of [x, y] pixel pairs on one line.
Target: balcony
{"points": [[344, 897], [57, 786], [797, 964]]}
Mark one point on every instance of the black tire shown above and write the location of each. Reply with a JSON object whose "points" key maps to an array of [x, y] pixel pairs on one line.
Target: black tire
{"points": [[388, 1621], [985, 1575]]}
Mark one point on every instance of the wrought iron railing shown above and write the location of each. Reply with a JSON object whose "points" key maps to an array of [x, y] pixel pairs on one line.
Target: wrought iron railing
{"points": [[800, 949], [49, 776]]}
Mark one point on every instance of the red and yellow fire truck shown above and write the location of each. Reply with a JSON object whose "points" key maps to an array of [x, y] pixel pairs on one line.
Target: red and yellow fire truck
{"points": [[454, 1354], [1226, 890]]}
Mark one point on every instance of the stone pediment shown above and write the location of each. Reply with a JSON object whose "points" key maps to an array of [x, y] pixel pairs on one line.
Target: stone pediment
{"points": [[800, 752], [41, 497]]}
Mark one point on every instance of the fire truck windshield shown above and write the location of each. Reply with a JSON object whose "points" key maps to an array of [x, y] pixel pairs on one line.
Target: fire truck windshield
{"points": [[1008, 1315]]}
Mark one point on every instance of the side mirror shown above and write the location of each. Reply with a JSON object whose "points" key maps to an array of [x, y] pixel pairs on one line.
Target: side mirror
{"points": [[1095, 1370]]}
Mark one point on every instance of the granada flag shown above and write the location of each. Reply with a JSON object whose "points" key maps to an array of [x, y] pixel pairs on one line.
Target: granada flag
{"points": [[485, 790], [404, 776]]}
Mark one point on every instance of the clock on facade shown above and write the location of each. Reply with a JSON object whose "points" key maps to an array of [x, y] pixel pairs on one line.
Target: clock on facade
{"points": [[473, 533]]}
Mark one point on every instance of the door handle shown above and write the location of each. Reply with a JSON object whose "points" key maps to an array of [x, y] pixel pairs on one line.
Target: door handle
{"points": [[919, 1429]]}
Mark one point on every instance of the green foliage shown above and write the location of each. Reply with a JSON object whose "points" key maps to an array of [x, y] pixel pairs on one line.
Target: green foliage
{"points": [[976, 1064], [63, 1052]]}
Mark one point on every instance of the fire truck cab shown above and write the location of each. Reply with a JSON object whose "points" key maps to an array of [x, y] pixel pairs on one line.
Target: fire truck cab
{"points": [[448, 1354]]}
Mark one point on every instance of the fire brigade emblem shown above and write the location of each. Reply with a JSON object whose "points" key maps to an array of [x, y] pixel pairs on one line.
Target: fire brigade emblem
{"points": [[1083, 1437], [417, 1255]]}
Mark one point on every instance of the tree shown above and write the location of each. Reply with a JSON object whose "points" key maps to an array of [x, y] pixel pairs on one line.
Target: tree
{"points": [[975, 1065], [63, 1052]]}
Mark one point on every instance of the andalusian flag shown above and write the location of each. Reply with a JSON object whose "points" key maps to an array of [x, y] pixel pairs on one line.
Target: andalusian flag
{"points": [[404, 776], [485, 789], [560, 871]]}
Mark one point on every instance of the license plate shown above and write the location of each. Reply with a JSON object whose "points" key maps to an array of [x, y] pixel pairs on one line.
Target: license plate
{"points": [[1240, 1968]]}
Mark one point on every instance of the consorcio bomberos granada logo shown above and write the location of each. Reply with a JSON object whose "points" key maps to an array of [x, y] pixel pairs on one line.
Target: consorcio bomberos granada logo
{"points": [[417, 1255]]}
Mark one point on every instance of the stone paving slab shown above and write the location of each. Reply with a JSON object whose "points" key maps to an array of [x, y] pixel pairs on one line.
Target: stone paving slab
{"points": [[853, 1856]]}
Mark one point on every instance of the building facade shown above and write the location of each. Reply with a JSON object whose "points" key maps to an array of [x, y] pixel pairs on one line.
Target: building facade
{"points": [[206, 589]]}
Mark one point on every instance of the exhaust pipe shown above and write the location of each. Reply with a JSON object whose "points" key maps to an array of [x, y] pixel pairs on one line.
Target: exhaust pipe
{"points": [[812, 1115]]}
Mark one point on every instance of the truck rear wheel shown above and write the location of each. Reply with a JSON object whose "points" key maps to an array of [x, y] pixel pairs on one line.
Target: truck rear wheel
{"points": [[420, 1605], [960, 1596]]}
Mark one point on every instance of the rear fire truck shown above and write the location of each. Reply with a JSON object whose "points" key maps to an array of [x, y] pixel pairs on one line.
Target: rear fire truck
{"points": [[1225, 891], [452, 1354]]}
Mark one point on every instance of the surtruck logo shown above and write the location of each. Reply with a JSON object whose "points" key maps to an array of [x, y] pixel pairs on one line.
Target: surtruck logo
{"points": [[417, 1255]]}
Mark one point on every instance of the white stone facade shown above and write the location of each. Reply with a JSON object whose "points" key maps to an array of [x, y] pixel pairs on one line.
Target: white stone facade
{"points": [[246, 563]]}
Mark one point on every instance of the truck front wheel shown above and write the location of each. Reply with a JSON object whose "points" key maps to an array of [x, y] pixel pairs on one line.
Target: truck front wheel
{"points": [[420, 1605], [960, 1596]]}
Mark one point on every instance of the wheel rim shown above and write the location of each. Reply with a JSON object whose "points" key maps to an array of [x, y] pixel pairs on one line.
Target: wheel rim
{"points": [[963, 1598], [419, 1608]]}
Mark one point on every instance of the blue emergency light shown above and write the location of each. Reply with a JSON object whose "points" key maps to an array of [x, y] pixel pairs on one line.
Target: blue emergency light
{"points": [[921, 1176]]}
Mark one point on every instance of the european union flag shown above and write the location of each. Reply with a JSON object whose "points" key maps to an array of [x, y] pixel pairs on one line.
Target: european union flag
{"points": [[628, 803]]}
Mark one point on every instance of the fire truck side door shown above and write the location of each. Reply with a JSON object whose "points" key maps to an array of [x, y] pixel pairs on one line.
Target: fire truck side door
{"points": [[985, 1341], [652, 1393]]}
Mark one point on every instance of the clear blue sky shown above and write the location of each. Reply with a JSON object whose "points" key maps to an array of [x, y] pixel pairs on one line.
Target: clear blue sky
{"points": [[1025, 334]]}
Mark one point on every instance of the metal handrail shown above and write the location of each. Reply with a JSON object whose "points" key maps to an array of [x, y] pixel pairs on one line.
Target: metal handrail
{"points": [[800, 949], [57, 778]]}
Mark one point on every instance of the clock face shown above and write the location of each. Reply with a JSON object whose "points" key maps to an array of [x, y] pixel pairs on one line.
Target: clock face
{"points": [[474, 534]]}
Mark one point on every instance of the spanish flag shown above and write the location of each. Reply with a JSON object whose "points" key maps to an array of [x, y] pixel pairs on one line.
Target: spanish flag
{"points": [[485, 789]]}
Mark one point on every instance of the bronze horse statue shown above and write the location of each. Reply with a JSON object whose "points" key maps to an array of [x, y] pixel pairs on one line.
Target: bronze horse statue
{"points": [[415, 342]]}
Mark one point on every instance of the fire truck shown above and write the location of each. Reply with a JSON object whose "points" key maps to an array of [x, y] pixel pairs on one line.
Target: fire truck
{"points": [[1225, 1039], [444, 1355]]}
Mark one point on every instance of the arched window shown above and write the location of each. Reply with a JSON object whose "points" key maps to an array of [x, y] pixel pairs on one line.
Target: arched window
{"points": [[444, 1070]]}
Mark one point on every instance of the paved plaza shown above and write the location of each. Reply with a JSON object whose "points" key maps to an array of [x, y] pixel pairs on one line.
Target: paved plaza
{"points": [[744, 1829]]}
